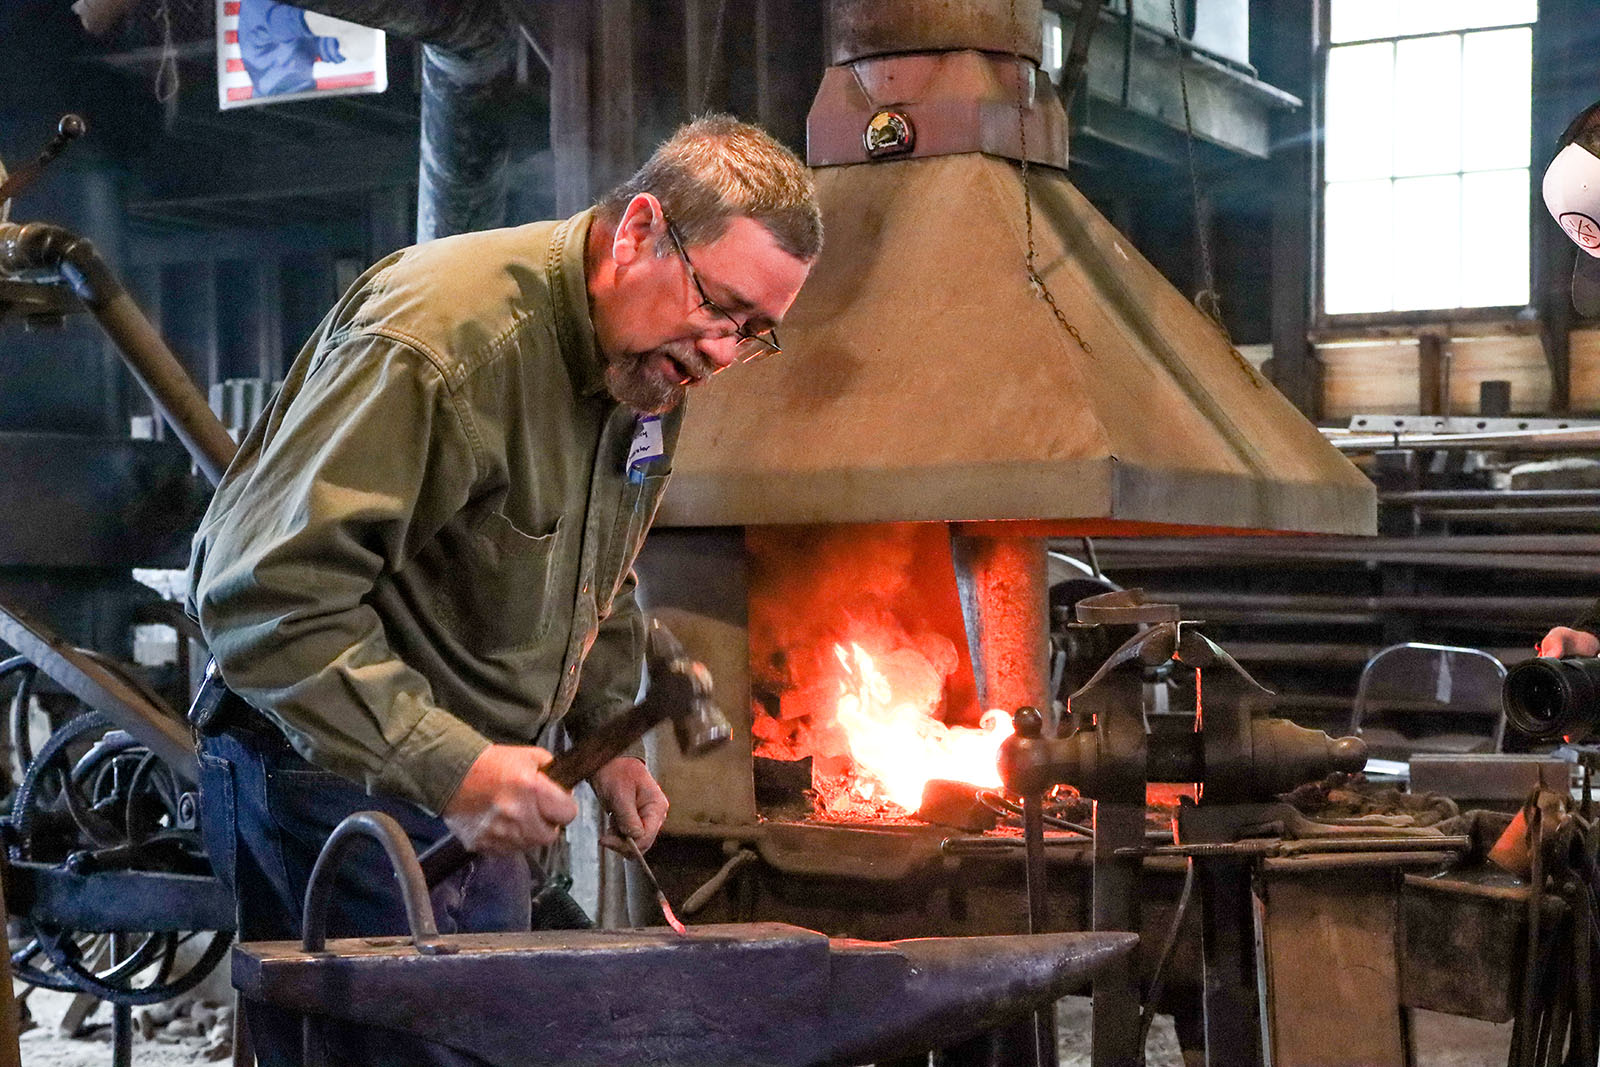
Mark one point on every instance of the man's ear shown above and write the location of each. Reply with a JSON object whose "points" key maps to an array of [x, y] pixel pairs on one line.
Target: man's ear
{"points": [[642, 224]]}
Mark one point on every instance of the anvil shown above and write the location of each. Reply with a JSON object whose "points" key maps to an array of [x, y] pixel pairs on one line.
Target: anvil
{"points": [[752, 994]]}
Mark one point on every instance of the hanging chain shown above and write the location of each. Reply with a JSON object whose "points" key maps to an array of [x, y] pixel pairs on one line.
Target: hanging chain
{"points": [[1208, 300], [1035, 281]]}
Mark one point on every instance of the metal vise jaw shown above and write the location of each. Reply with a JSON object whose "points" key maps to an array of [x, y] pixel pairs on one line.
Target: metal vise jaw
{"points": [[1233, 750]]}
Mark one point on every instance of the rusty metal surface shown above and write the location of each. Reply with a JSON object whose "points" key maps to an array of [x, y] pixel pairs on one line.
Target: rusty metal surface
{"points": [[156, 727], [858, 28], [1465, 936], [923, 380], [953, 102], [753, 994], [1329, 944], [1005, 601]]}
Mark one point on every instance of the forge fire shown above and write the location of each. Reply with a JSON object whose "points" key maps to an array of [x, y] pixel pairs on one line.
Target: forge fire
{"points": [[860, 665]]}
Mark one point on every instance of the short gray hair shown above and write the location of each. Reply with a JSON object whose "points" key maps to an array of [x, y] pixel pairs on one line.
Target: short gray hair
{"points": [[715, 169]]}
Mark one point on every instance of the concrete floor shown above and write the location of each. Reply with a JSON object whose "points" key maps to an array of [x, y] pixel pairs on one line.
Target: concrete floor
{"points": [[1442, 1040]]}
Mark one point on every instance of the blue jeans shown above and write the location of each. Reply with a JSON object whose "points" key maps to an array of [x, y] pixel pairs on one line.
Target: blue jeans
{"points": [[265, 813]]}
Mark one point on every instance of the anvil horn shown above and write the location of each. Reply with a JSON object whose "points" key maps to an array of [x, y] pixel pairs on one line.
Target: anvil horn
{"points": [[957, 987]]}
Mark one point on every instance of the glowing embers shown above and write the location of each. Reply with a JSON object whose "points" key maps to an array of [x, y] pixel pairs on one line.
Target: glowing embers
{"points": [[859, 664], [894, 740]]}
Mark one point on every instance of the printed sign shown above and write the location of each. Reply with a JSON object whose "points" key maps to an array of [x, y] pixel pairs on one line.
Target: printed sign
{"points": [[1583, 229], [267, 51]]}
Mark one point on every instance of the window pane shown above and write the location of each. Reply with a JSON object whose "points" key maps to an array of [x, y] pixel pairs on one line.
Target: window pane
{"points": [[1494, 239], [1360, 112], [1363, 20], [1496, 99], [1427, 105], [1358, 240], [1427, 238]]}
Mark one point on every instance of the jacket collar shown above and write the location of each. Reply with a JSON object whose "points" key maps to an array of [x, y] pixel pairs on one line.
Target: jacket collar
{"points": [[569, 290]]}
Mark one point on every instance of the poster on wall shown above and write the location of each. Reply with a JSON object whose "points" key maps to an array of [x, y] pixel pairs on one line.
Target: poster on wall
{"points": [[267, 51]]}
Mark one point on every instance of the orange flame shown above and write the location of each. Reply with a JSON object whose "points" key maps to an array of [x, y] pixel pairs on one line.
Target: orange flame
{"points": [[894, 739]]}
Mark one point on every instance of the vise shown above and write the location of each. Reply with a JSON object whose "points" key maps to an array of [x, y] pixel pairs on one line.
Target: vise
{"points": [[756, 994], [1237, 759]]}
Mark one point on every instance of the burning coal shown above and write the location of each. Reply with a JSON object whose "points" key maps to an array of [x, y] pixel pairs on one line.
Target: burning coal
{"points": [[859, 662]]}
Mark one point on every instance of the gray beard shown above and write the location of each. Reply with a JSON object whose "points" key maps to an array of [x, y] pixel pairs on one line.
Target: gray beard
{"points": [[632, 383]]}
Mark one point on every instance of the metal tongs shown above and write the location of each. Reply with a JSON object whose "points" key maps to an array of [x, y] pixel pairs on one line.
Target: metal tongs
{"points": [[661, 895]]}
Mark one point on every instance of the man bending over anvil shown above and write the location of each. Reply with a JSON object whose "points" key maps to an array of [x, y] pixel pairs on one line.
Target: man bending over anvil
{"points": [[422, 555]]}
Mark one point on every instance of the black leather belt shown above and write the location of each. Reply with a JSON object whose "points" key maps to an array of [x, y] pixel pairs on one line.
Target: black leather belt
{"points": [[219, 710]]}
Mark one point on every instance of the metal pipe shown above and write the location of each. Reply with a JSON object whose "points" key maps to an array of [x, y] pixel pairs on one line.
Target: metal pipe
{"points": [[1004, 589], [1077, 62], [1490, 496], [1501, 607], [40, 246], [1524, 517], [465, 139], [1558, 440], [468, 69]]}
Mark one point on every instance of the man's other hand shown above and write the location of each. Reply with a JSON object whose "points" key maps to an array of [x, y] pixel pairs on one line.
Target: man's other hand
{"points": [[637, 805], [1565, 641], [506, 804]]}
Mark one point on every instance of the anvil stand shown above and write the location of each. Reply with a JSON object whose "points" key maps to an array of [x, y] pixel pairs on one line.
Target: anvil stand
{"points": [[1239, 759]]}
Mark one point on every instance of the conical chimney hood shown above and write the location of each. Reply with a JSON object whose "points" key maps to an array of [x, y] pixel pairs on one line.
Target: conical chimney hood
{"points": [[924, 378]]}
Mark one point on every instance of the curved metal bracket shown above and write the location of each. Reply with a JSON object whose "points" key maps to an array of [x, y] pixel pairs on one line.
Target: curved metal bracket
{"points": [[402, 857]]}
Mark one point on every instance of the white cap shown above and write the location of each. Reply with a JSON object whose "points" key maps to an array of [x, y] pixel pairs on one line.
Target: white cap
{"points": [[1572, 195]]}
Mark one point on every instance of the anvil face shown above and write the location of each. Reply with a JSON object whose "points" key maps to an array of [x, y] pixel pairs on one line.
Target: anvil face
{"points": [[757, 994]]}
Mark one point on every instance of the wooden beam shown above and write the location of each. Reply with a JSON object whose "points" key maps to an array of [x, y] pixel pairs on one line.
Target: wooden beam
{"points": [[1286, 45], [569, 105], [612, 85]]}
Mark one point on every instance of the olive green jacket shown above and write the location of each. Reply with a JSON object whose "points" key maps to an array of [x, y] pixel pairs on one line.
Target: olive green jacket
{"points": [[427, 540]]}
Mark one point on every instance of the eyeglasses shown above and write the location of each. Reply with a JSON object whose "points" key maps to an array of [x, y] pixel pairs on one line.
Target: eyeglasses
{"points": [[750, 345]]}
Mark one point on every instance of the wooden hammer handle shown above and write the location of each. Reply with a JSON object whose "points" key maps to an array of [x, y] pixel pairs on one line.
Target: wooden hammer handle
{"points": [[674, 690]]}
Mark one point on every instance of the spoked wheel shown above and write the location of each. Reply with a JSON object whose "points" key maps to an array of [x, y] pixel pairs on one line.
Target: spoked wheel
{"points": [[94, 800]]}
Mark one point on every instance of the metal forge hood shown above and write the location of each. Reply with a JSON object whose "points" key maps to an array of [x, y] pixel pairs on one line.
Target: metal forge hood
{"points": [[923, 378]]}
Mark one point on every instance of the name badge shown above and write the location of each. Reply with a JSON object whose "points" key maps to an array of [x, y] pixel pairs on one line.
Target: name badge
{"points": [[645, 448]]}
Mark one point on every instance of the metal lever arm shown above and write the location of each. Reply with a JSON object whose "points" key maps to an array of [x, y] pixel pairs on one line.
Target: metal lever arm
{"points": [[40, 246], [70, 128]]}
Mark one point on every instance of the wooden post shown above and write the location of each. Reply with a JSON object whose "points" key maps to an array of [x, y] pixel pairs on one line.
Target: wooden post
{"points": [[1287, 58], [1433, 374], [10, 1025], [569, 105]]}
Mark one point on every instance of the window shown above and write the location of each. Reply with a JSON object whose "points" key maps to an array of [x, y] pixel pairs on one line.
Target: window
{"points": [[1425, 173]]}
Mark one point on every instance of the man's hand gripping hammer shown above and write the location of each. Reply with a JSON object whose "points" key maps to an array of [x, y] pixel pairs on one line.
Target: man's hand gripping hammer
{"points": [[680, 690]]}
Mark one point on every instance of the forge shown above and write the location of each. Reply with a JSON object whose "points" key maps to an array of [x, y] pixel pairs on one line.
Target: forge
{"points": [[855, 538]]}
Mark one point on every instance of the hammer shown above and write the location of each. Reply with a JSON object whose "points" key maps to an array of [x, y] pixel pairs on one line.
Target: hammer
{"points": [[680, 690]]}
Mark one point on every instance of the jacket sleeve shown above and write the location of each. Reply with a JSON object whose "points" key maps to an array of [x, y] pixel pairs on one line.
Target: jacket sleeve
{"points": [[1589, 621], [372, 457]]}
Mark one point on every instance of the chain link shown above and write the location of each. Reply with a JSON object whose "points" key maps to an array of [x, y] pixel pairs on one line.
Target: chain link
{"points": [[1208, 300], [1035, 281]]}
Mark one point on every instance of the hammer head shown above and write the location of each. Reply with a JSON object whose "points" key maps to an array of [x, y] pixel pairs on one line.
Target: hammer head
{"points": [[680, 689]]}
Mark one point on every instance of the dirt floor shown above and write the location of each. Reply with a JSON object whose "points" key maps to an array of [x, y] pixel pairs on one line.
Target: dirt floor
{"points": [[45, 1046]]}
